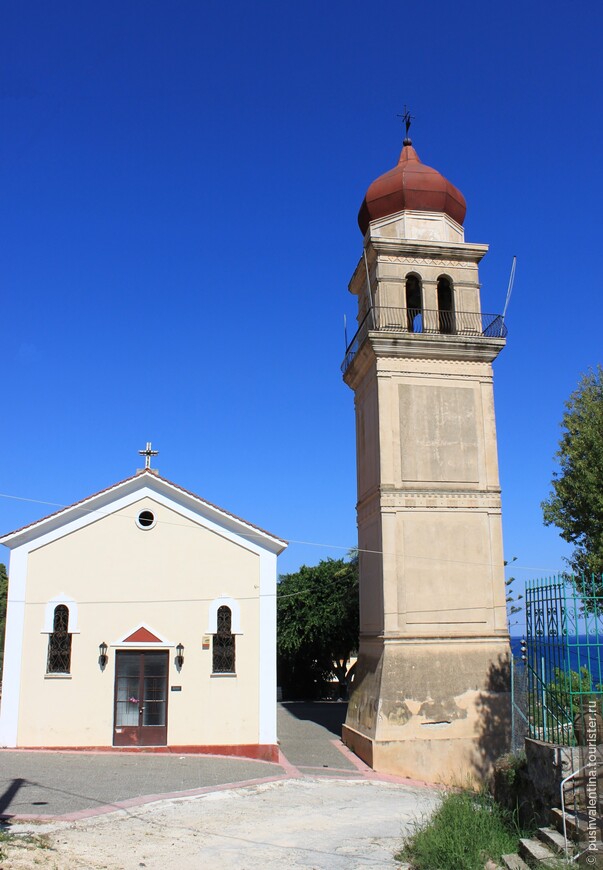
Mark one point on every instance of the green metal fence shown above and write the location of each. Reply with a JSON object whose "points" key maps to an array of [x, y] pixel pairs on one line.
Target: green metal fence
{"points": [[563, 653], [520, 724]]}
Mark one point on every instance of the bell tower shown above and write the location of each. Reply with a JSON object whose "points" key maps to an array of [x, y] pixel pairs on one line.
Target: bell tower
{"points": [[430, 697]]}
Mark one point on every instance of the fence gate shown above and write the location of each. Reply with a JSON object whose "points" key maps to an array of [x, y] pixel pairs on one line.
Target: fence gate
{"points": [[563, 660], [564, 656]]}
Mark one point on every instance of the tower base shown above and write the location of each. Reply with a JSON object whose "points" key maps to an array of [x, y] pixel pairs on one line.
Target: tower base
{"points": [[436, 709]]}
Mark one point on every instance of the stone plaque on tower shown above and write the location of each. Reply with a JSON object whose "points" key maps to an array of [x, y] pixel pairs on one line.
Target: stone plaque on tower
{"points": [[431, 696]]}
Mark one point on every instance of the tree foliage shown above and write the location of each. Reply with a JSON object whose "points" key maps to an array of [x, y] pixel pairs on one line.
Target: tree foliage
{"points": [[567, 690], [318, 625], [575, 504]]}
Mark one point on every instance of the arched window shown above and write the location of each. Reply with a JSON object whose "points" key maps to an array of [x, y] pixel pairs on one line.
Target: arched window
{"points": [[445, 305], [224, 643], [59, 643], [414, 304]]}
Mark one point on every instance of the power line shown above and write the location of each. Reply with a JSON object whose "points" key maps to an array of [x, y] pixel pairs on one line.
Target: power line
{"points": [[256, 536]]}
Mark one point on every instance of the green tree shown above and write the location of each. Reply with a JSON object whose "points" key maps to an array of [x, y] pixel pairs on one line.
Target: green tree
{"points": [[3, 597], [575, 504], [318, 626], [567, 690]]}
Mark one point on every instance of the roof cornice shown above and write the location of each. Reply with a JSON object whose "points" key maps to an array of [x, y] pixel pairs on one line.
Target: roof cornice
{"points": [[99, 504], [467, 251]]}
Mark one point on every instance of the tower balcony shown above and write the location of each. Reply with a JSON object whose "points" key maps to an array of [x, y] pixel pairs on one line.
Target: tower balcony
{"points": [[438, 325]]}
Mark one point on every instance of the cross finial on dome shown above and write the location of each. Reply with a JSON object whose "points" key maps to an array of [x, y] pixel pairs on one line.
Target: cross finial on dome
{"points": [[407, 118]]}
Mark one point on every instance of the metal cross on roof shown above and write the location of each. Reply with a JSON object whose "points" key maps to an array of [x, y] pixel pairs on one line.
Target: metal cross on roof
{"points": [[407, 118], [147, 454]]}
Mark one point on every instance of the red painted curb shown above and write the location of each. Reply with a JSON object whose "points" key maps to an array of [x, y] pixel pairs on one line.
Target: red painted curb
{"points": [[257, 752], [127, 804]]}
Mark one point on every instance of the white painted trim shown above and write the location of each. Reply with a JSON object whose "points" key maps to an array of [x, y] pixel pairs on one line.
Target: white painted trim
{"points": [[131, 499], [137, 645], [235, 610], [267, 649], [129, 492], [144, 625], [148, 527], [13, 648], [70, 604]]}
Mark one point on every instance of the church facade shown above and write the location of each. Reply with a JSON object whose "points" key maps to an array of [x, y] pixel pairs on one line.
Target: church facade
{"points": [[142, 616]]}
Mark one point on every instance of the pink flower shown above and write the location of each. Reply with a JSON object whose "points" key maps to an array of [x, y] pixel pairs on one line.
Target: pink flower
{"points": [[133, 700]]}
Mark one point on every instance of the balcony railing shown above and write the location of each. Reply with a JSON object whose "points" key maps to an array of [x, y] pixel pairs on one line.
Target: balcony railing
{"points": [[416, 321]]}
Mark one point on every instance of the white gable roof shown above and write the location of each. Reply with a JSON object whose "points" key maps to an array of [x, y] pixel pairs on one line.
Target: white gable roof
{"points": [[131, 490]]}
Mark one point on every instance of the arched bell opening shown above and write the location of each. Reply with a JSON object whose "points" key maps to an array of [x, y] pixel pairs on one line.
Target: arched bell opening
{"points": [[446, 320], [414, 303]]}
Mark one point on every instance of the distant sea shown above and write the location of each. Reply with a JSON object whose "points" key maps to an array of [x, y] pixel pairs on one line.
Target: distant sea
{"points": [[581, 654]]}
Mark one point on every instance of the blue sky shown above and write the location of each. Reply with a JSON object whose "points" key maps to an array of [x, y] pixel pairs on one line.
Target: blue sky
{"points": [[179, 191]]}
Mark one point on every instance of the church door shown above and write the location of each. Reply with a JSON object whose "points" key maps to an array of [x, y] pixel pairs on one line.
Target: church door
{"points": [[140, 698]]}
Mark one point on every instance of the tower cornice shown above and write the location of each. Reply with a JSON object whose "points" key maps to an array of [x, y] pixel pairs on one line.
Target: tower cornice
{"points": [[438, 250], [441, 347], [416, 251], [379, 344]]}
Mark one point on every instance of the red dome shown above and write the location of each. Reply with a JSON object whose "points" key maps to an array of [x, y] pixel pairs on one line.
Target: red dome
{"points": [[411, 185]]}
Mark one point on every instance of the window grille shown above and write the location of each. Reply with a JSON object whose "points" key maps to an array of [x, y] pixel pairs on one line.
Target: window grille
{"points": [[59, 643], [224, 643]]}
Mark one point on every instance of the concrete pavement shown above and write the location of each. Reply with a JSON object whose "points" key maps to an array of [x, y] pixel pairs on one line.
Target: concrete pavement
{"points": [[313, 824], [321, 808], [72, 785], [310, 738]]}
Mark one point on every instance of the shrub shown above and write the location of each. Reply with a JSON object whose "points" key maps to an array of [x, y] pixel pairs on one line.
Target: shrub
{"points": [[466, 831]]}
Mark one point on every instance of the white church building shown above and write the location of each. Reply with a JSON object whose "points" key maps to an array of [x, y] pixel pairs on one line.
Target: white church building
{"points": [[142, 616]]}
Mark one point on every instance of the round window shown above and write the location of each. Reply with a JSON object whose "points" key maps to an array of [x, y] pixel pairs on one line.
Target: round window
{"points": [[145, 520]]}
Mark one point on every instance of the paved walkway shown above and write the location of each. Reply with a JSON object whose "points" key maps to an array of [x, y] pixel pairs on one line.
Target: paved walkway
{"points": [[314, 824], [71, 785], [321, 808], [310, 739]]}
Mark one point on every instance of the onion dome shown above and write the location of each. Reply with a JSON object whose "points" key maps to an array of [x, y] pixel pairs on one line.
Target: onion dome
{"points": [[411, 185]]}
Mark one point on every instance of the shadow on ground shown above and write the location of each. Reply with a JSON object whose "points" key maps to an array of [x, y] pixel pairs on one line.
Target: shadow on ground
{"points": [[330, 714], [6, 798]]}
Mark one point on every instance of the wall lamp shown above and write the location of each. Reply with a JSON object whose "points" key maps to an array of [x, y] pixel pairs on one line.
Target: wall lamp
{"points": [[179, 656], [103, 658]]}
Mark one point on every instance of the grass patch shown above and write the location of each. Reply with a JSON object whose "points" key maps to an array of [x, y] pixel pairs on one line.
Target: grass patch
{"points": [[466, 831], [7, 839], [4, 839]]}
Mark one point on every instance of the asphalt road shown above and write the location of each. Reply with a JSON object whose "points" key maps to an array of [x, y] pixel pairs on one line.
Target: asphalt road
{"points": [[320, 809], [47, 784]]}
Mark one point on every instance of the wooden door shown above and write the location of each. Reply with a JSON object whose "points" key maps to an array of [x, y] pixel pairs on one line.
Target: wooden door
{"points": [[141, 694]]}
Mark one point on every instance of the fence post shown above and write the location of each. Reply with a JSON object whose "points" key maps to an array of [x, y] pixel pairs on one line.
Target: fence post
{"points": [[512, 702], [542, 680]]}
